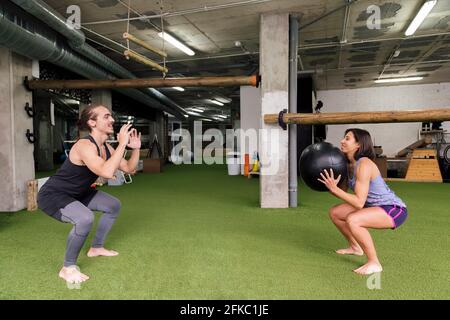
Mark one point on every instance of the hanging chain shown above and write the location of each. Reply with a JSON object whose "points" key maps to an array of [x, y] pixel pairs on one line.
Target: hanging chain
{"points": [[163, 41], [128, 25]]}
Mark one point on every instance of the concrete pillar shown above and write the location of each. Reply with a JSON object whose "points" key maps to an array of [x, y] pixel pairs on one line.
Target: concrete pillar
{"points": [[16, 153], [273, 145], [161, 131], [151, 132], [198, 148], [59, 132], [157, 127], [44, 132], [103, 97], [81, 107], [165, 135]]}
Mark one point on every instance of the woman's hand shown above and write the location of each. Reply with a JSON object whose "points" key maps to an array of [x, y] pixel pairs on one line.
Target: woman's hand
{"points": [[135, 140], [329, 181]]}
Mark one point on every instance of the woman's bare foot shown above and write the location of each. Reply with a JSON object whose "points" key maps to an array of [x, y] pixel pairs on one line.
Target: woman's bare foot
{"points": [[95, 252], [357, 251], [369, 268], [72, 274]]}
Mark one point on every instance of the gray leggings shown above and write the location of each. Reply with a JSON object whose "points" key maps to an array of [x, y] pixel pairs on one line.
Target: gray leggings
{"points": [[82, 219]]}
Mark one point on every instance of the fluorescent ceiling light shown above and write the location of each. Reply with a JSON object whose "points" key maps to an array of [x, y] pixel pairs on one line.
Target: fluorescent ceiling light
{"points": [[223, 100], [176, 43], [421, 15], [390, 80], [194, 113], [178, 88], [206, 119], [222, 116], [197, 110], [72, 101], [216, 102], [186, 116]]}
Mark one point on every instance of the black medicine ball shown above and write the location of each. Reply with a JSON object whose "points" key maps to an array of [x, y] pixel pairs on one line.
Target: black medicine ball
{"points": [[317, 157]]}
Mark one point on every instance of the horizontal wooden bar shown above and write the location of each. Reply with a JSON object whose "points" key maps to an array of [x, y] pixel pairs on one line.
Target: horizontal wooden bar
{"points": [[144, 60], [362, 117], [143, 44], [142, 83]]}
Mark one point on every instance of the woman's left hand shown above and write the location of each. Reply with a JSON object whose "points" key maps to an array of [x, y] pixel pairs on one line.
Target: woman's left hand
{"points": [[329, 181], [134, 141]]}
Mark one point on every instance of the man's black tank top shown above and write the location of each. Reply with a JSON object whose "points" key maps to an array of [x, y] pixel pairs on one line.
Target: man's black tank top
{"points": [[70, 183]]}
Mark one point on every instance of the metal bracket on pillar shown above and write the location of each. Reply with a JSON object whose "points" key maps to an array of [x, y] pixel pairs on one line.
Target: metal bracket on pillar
{"points": [[30, 136], [258, 80], [29, 110], [25, 84], [280, 119]]}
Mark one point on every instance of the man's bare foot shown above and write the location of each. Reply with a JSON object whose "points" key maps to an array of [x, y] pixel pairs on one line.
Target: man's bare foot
{"points": [[352, 250], [95, 252], [369, 268], [72, 274]]}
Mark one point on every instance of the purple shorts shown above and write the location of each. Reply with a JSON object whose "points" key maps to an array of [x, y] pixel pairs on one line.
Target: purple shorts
{"points": [[397, 214]]}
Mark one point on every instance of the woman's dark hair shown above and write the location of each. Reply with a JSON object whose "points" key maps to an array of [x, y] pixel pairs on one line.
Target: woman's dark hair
{"points": [[365, 143], [86, 115]]}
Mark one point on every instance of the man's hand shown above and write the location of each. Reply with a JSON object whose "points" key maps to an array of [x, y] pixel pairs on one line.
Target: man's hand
{"points": [[134, 140], [124, 135]]}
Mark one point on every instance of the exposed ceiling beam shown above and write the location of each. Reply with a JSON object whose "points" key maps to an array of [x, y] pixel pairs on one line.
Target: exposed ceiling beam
{"points": [[344, 32], [183, 12], [348, 3]]}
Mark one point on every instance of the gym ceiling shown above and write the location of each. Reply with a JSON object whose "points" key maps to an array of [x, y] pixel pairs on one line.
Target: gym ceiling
{"points": [[338, 48]]}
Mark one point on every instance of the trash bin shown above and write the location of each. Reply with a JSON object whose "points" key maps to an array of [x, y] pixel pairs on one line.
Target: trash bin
{"points": [[233, 163]]}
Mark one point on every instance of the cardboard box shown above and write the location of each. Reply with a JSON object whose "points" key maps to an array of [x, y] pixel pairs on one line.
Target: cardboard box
{"points": [[153, 165]]}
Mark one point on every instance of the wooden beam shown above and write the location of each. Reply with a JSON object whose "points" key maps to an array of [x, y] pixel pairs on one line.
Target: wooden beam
{"points": [[143, 83], [361, 117], [144, 44], [129, 54]]}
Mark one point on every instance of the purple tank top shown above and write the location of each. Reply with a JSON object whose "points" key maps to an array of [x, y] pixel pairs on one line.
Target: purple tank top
{"points": [[379, 192]]}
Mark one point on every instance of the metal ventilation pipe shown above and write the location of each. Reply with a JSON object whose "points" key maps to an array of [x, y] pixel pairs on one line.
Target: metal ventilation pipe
{"points": [[76, 41]]}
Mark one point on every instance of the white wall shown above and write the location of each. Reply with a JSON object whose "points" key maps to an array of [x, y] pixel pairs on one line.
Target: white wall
{"points": [[395, 136], [250, 105]]}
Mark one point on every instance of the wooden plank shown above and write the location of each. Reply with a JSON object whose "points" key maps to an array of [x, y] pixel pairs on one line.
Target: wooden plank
{"points": [[424, 179], [419, 153], [412, 180], [32, 195], [395, 180], [424, 166], [432, 175]]}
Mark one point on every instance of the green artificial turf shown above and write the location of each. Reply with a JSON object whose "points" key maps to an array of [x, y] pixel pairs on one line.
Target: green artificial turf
{"points": [[193, 232]]}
